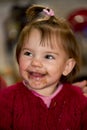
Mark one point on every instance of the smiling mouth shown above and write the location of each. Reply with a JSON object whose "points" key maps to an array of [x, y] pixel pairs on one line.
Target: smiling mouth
{"points": [[36, 75]]}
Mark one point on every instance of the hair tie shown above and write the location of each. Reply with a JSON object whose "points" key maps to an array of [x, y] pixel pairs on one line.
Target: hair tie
{"points": [[48, 12]]}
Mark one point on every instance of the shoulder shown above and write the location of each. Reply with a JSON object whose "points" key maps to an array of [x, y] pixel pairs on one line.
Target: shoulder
{"points": [[73, 90], [12, 87], [9, 92], [75, 94]]}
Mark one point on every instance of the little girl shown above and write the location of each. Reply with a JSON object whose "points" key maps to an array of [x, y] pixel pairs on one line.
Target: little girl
{"points": [[48, 57]]}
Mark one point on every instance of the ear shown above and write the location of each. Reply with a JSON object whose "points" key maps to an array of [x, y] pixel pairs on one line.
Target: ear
{"points": [[70, 63]]}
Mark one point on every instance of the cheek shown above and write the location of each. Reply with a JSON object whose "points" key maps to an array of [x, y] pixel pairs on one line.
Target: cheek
{"points": [[56, 69], [22, 64], [52, 69]]}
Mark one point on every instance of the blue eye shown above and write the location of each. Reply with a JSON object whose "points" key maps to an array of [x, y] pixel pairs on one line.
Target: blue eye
{"points": [[49, 57], [28, 53]]}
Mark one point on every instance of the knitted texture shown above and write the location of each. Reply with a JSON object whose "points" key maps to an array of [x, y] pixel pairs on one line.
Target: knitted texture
{"points": [[20, 109]]}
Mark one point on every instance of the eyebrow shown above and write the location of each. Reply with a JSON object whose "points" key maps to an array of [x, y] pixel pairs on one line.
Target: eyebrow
{"points": [[26, 49], [56, 53]]}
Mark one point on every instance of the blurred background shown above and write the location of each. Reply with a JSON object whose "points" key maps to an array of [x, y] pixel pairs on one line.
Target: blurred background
{"points": [[12, 20]]}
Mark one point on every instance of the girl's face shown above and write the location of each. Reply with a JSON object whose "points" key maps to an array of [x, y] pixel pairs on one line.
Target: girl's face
{"points": [[42, 66]]}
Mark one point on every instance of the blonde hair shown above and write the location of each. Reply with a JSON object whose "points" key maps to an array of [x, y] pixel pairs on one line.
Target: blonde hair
{"points": [[49, 26]]}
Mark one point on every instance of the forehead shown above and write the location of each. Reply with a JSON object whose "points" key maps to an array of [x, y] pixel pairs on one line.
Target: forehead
{"points": [[44, 38]]}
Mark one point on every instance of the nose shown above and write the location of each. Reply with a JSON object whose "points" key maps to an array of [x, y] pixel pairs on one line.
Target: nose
{"points": [[36, 62]]}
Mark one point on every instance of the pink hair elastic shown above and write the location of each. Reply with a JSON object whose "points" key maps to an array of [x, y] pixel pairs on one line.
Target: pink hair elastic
{"points": [[49, 13]]}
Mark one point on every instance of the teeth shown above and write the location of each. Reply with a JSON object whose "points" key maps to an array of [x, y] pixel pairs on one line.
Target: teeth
{"points": [[36, 74], [38, 78]]}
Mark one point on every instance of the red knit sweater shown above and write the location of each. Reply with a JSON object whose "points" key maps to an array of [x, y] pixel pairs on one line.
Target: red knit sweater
{"points": [[21, 110]]}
